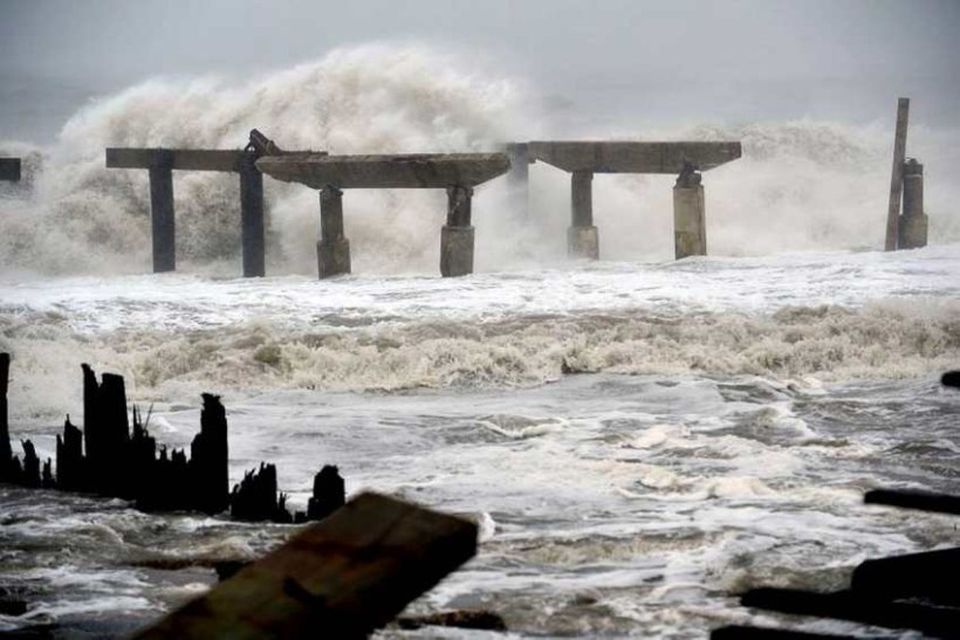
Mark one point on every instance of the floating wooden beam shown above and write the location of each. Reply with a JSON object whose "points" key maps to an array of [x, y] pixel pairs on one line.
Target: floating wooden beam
{"points": [[920, 500], [931, 575], [739, 632], [341, 578], [10, 169], [633, 157], [896, 177], [847, 605]]}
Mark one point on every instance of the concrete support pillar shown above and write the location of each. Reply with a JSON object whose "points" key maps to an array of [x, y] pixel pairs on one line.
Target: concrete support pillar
{"points": [[161, 214], [689, 217], [583, 240], [333, 250], [251, 218], [456, 237], [912, 226], [518, 179]]}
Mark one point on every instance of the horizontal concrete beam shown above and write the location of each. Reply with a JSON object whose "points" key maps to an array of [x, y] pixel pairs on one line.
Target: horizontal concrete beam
{"points": [[403, 171], [10, 169], [183, 159], [633, 157]]}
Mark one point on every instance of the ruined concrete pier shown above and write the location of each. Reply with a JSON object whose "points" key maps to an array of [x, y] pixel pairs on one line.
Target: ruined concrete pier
{"points": [[689, 215], [333, 249], [912, 227], [161, 163], [583, 159], [457, 173], [582, 238]]}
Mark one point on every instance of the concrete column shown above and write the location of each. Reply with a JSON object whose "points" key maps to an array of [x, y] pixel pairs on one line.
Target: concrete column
{"points": [[518, 179], [456, 237], [913, 223], [161, 214], [582, 238], [251, 218], [689, 217], [333, 250]]}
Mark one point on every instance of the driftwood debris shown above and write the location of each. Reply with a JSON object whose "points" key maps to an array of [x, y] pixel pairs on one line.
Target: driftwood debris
{"points": [[341, 578], [106, 457]]}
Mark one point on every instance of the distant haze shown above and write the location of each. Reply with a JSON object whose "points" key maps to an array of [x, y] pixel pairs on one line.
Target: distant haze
{"points": [[604, 62]]}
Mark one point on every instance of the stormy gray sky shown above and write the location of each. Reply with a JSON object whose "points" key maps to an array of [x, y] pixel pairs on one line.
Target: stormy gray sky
{"points": [[746, 59]]}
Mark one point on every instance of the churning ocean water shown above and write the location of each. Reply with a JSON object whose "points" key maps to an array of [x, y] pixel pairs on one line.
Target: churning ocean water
{"points": [[725, 416]]}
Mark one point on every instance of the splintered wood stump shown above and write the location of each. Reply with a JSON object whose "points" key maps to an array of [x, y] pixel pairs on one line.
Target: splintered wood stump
{"points": [[6, 454], [340, 578], [255, 498], [328, 493]]}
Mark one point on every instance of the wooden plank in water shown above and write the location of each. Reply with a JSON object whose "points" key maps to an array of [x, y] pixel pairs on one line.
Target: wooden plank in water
{"points": [[340, 578], [847, 605], [896, 177], [919, 500], [739, 632], [930, 575], [10, 169], [179, 159]]}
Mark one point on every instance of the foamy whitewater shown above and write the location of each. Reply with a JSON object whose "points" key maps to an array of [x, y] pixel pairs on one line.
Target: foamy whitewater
{"points": [[726, 415]]}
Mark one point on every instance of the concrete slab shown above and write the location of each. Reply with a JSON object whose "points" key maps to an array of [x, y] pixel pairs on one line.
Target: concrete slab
{"points": [[401, 171], [632, 157]]}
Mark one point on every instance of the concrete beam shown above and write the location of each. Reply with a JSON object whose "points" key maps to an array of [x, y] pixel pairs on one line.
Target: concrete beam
{"points": [[633, 157], [333, 249], [457, 237], [896, 175], [162, 218], [689, 217], [402, 171], [10, 169], [583, 239], [518, 178], [179, 159]]}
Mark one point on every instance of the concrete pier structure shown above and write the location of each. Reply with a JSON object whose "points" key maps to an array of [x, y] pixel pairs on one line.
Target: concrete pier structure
{"points": [[162, 162], [457, 237], [912, 227], [333, 248], [689, 216], [9, 169], [583, 240], [457, 173], [583, 159], [162, 222]]}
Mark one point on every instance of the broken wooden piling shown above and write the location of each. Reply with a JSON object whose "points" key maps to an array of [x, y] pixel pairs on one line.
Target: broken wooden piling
{"points": [[896, 177], [341, 578]]}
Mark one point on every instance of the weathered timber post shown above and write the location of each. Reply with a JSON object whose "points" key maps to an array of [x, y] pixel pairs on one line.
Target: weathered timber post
{"points": [[456, 237], [6, 454], [251, 217], [896, 178], [689, 215], [913, 223], [161, 212], [518, 179], [582, 237], [333, 249]]}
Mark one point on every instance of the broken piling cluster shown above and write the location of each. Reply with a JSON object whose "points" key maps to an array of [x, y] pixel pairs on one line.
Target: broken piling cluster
{"points": [[106, 458]]}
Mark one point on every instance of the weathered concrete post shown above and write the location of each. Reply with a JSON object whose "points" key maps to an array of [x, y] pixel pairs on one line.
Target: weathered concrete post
{"points": [[582, 238], [456, 237], [896, 175], [913, 223], [518, 179], [251, 218], [689, 215], [161, 213], [333, 250]]}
